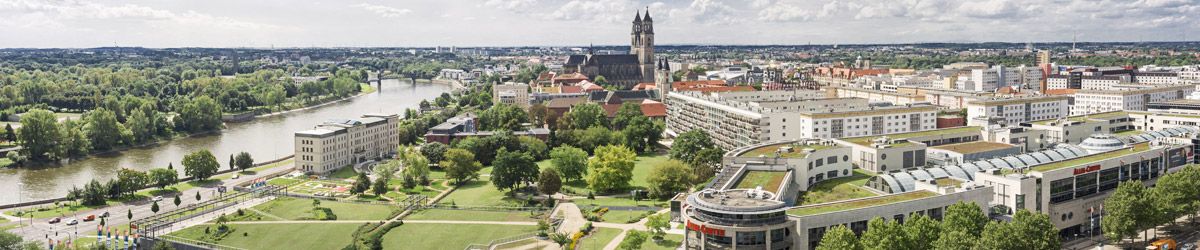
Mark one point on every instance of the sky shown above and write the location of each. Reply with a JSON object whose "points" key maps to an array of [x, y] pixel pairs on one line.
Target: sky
{"points": [[425, 23]]}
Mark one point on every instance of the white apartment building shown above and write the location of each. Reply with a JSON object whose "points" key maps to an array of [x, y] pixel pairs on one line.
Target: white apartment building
{"points": [[1099, 101], [1015, 110], [339, 143], [874, 120], [1099, 82], [1158, 78], [511, 93], [998, 77]]}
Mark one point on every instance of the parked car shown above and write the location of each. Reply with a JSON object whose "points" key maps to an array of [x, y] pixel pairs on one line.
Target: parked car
{"points": [[235, 176], [72, 222], [104, 215], [157, 198], [1188, 246], [91, 217], [55, 220]]}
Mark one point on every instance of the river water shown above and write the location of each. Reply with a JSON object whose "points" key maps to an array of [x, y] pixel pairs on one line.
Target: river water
{"points": [[264, 138]]}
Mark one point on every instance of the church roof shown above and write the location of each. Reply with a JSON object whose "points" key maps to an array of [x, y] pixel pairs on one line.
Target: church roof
{"points": [[575, 59], [647, 18], [613, 59]]}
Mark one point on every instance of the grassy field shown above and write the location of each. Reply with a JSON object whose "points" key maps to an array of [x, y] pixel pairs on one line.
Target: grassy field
{"points": [[445, 236], [344, 173], [669, 242], [625, 216], [297, 209], [445, 214], [641, 170], [4, 162], [768, 180], [280, 236], [598, 239], [480, 193], [619, 202], [875, 201], [50, 211], [837, 189]]}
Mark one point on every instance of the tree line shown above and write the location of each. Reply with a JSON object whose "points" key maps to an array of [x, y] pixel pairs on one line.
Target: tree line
{"points": [[964, 226], [1134, 207]]}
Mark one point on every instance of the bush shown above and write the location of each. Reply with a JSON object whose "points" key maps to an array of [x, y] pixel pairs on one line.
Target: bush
{"points": [[587, 227], [323, 213]]}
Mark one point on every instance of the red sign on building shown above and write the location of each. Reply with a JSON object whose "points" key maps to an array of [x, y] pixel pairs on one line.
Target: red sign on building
{"points": [[1088, 169], [705, 230]]}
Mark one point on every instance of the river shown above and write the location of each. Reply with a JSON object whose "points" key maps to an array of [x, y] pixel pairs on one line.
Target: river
{"points": [[264, 138]]}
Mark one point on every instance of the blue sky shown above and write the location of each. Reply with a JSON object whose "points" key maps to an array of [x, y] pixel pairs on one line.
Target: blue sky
{"points": [[300, 23]]}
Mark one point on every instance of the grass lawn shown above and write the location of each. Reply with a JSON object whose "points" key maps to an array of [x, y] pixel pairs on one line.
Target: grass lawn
{"points": [[768, 180], [283, 181], [446, 214], [50, 210], [344, 173], [4, 162], [619, 202], [641, 170], [625, 216], [296, 209], [280, 236], [837, 189], [444, 236], [598, 239], [669, 242], [819, 209], [480, 193]]}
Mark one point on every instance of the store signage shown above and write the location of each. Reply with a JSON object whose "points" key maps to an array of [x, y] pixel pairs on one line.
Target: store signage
{"points": [[705, 230], [1088, 169]]}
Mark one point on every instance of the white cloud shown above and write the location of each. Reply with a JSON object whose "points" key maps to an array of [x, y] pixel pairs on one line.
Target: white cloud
{"points": [[609, 11], [513, 5], [384, 11]]}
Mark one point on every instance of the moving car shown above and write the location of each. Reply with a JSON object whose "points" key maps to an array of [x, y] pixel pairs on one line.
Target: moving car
{"points": [[55, 220], [104, 215], [72, 222], [89, 218], [157, 198]]}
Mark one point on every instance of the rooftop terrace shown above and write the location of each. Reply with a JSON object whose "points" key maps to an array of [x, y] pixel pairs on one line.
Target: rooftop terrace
{"points": [[1137, 148], [768, 180], [837, 189], [1084, 118], [974, 147], [862, 203], [796, 152], [866, 140]]}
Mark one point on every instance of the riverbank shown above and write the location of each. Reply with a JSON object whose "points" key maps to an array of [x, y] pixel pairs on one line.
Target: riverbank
{"points": [[367, 89]]}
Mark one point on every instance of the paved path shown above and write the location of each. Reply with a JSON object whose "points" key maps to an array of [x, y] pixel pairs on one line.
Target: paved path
{"points": [[260, 212], [518, 223], [572, 218]]}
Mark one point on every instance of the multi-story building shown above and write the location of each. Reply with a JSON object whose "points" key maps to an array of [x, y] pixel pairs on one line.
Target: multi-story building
{"points": [[465, 126], [876, 95], [1098, 101], [1014, 110], [1157, 78], [339, 143], [873, 120], [511, 93], [735, 119]]}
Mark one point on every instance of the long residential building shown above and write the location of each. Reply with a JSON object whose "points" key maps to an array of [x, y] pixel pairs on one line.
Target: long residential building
{"points": [[1099, 101], [1015, 110], [340, 143], [737, 119]]}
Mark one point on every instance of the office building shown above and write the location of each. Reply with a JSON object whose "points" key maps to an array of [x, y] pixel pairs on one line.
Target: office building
{"points": [[1099, 101], [339, 143], [1013, 110]]}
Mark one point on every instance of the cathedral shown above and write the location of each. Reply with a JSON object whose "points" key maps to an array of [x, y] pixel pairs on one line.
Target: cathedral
{"points": [[622, 70]]}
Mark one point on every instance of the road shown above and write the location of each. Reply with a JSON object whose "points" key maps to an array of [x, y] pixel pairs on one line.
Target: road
{"points": [[41, 229]]}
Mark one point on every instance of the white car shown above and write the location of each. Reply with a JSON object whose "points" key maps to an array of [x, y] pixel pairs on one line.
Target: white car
{"points": [[157, 198], [72, 222]]}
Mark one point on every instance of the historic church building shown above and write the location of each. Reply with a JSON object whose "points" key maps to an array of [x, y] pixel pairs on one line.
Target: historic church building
{"points": [[622, 70]]}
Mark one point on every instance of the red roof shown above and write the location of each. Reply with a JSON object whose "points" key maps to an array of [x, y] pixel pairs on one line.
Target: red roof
{"points": [[724, 89], [645, 86], [689, 85], [567, 89], [651, 108]]}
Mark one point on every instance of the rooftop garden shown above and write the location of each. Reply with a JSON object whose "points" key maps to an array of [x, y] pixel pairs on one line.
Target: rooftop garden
{"points": [[1084, 118], [1093, 158], [768, 180], [974, 147], [866, 140], [947, 182], [870, 202], [796, 152], [837, 189], [1131, 132]]}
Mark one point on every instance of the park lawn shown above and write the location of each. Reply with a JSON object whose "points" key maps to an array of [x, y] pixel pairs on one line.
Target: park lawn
{"points": [[625, 216], [177, 188], [366, 88], [618, 202], [479, 193], [669, 242], [280, 236], [344, 173], [446, 236], [298, 209], [598, 238], [641, 170], [50, 210], [283, 181], [469, 215]]}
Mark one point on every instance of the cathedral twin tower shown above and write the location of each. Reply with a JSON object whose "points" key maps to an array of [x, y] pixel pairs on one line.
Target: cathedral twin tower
{"points": [[642, 44]]}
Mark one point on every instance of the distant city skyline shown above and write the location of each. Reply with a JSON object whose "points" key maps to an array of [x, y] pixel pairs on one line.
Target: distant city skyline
{"points": [[465, 23]]}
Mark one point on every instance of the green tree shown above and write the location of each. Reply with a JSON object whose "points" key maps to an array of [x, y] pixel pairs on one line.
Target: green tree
{"points": [[460, 165], [839, 238], [549, 183], [705, 163], [963, 222], [200, 114], [626, 114], [177, 201], [154, 207], [588, 115], [162, 178], [561, 239], [243, 161], [434, 151], [74, 141], [103, 129], [131, 180], [569, 161], [379, 188], [658, 224], [200, 164], [40, 135], [362, 184], [1035, 231], [503, 117], [537, 114], [163, 245], [1175, 194], [688, 144], [9, 133], [883, 235], [416, 166], [511, 169], [633, 240], [141, 125], [669, 178], [10, 240], [921, 231], [601, 80], [611, 168], [1126, 211]]}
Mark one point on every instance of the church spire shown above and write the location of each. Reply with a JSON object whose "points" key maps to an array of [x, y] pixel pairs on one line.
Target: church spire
{"points": [[647, 14], [637, 18]]}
